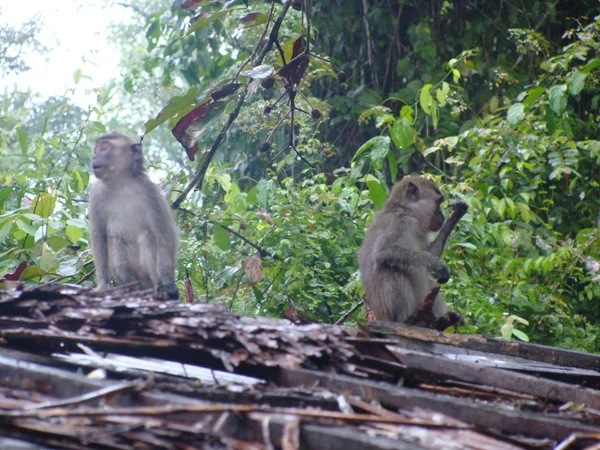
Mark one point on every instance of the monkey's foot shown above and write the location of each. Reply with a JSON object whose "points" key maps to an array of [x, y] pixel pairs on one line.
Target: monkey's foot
{"points": [[451, 318], [424, 316], [167, 291]]}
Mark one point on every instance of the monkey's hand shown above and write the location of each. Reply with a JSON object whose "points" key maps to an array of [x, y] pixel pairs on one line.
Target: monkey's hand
{"points": [[167, 291], [459, 209], [441, 272]]}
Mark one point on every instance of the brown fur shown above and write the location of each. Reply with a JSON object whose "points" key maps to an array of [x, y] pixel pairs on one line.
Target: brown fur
{"points": [[133, 234], [396, 257]]}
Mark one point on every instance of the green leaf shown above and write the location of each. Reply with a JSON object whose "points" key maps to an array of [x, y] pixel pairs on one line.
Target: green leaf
{"points": [[222, 238], [5, 231], [177, 104], [253, 19], [381, 147], [402, 133], [519, 334], [77, 223], [455, 75], [442, 94], [259, 72], [466, 245], [77, 76], [507, 330], [27, 228], [593, 64], [32, 272], [258, 293], [380, 144], [558, 98], [393, 163], [264, 193], [426, 99], [515, 113], [377, 193], [74, 233], [533, 95], [209, 18], [22, 137], [576, 82], [43, 205]]}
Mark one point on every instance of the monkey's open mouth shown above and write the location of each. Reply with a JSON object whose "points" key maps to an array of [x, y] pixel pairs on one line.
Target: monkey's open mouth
{"points": [[99, 169]]}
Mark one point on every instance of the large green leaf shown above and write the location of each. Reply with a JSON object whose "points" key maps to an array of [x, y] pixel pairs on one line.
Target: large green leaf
{"points": [[515, 113], [402, 133], [558, 98]]}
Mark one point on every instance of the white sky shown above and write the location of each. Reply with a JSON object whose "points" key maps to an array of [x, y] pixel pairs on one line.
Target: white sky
{"points": [[72, 31]]}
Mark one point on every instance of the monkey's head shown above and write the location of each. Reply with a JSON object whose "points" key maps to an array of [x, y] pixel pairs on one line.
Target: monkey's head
{"points": [[116, 156], [420, 198]]}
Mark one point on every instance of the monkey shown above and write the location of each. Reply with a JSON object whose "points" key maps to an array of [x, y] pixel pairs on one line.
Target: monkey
{"points": [[134, 237], [397, 258]]}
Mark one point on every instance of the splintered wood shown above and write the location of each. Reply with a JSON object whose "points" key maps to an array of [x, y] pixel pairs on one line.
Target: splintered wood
{"points": [[80, 370]]}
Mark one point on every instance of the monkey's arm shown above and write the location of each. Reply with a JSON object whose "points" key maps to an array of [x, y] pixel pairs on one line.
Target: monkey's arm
{"points": [[436, 248], [403, 258], [100, 250]]}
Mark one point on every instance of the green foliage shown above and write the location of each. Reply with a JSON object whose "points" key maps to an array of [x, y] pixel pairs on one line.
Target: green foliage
{"points": [[502, 116]]}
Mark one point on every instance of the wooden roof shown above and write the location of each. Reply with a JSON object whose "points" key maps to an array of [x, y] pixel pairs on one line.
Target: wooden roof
{"points": [[80, 370]]}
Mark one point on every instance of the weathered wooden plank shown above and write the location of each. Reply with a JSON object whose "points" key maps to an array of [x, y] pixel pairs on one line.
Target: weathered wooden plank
{"points": [[513, 422], [524, 350], [504, 379]]}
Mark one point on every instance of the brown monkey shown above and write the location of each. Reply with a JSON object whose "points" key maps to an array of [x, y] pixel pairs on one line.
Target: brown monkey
{"points": [[133, 234], [396, 257]]}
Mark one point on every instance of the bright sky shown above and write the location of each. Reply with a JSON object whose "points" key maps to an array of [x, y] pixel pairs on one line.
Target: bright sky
{"points": [[72, 31]]}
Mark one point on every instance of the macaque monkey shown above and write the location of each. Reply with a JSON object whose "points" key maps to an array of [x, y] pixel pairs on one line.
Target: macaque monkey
{"points": [[133, 233], [397, 257]]}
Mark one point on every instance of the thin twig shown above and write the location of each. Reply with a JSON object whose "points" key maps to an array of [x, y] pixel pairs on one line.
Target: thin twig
{"points": [[199, 177], [94, 395], [342, 319]]}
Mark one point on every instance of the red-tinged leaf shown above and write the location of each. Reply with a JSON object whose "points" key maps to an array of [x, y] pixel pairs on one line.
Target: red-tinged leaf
{"points": [[298, 317], [204, 19], [294, 69], [253, 19], [190, 4], [177, 105], [369, 314], [186, 129], [15, 274], [299, 45], [189, 292], [225, 91], [253, 268], [260, 212], [291, 313]]}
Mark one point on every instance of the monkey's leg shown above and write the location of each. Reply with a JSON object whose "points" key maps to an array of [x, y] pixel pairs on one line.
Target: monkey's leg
{"points": [[100, 251], [424, 316], [156, 264], [436, 248], [121, 262]]}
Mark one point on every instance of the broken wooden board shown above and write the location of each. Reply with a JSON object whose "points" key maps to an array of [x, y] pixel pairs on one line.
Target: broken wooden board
{"points": [[79, 370]]}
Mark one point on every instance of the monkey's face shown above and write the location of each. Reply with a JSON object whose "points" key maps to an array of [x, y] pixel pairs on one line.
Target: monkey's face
{"points": [[112, 157], [101, 162], [425, 199]]}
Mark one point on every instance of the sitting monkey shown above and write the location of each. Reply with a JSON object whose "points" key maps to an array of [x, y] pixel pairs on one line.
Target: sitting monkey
{"points": [[133, 234], [397, 258]]}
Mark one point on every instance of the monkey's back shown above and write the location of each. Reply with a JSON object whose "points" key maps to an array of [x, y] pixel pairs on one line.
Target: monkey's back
{"points": [[395, 289]]}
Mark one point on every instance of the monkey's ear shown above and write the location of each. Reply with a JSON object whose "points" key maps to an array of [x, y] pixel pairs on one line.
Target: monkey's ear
{"points": [[412, 192], [137, 159]]}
